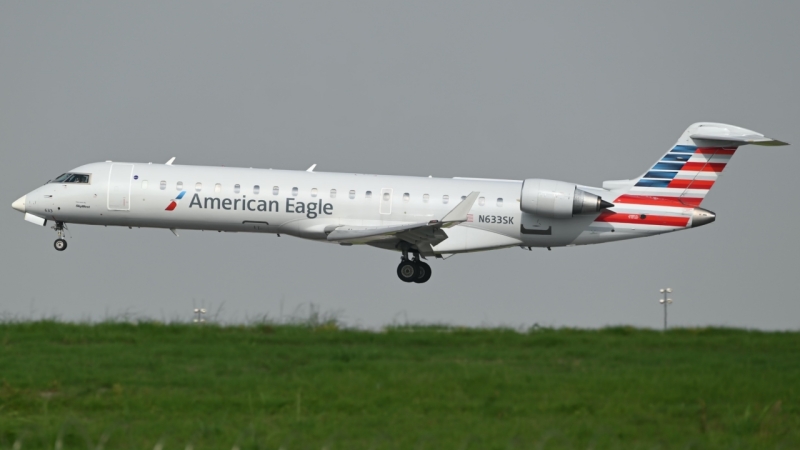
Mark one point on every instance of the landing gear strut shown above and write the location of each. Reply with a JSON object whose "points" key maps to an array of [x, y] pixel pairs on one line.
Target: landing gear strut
{"points": [[413, 270], [60, 244]]}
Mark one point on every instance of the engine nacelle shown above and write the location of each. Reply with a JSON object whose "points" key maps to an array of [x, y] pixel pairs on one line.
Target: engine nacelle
{"points": [[558, 199]]}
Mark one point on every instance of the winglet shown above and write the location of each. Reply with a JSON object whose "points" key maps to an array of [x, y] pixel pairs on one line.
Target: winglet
{"points": [[459, 213], [311, 169], [171, 160]]}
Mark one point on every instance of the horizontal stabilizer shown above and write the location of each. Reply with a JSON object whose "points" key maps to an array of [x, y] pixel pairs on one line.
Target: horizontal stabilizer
{"points": [[709, 134], [754, 139]]}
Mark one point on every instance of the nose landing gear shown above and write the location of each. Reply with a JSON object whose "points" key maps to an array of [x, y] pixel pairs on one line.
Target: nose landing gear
{"points": [[60, 244], [414, 270]]}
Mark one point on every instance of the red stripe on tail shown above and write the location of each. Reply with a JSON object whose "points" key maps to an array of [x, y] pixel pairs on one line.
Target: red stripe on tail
{"points": [[695, 184], [703, 167], [677, 202], [649, 219], [715, 151]]}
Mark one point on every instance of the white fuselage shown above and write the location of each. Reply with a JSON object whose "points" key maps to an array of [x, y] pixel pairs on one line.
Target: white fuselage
{"points": [[309, 204]]}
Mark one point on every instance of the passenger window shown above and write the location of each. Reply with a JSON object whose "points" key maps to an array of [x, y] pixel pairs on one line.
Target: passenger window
{"points": [[386, 196], [144, 184], [406, 197], [333, 193], [275, 190], [481, 201], [352, 194], [217, 188], [236, 188], [499, 202], [314, 192], [425, 198], [256, 189], [198, 187], [163, 185], [368, 195], [179, 186], [445, 199], [294, 192]]}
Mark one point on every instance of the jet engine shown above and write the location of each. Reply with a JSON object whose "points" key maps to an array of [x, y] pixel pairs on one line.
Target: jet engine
{"points": [[558, 199]]}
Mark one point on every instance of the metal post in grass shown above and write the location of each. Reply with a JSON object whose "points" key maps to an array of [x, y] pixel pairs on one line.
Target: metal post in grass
{"points": [[665, 301], [198, 315]]}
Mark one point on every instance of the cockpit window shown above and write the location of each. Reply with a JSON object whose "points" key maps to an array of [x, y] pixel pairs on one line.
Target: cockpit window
{"points": [[82, 178]]}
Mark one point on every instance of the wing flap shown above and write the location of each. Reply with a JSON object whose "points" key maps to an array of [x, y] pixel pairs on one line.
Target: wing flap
{"points": [[429, 233], [347, 232]]}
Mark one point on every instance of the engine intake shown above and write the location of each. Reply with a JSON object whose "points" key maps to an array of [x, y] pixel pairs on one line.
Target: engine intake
{"points": [[558, 199]]}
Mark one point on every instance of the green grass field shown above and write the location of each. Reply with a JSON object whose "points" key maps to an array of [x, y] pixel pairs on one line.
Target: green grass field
{"points": [[149, 385]]}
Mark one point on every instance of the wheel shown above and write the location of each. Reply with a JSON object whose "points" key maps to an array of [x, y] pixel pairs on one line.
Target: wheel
{"points": [[407, 271], [423, 272], [60, 245]]}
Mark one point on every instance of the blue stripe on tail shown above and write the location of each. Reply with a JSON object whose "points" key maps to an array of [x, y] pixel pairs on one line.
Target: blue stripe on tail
{"points": [[668, 166], [683, 149], [662, 175], [653, 183]]}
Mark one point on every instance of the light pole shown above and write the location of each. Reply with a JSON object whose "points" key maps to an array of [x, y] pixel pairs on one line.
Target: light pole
{"points": [[665, 301], [198, 315]]}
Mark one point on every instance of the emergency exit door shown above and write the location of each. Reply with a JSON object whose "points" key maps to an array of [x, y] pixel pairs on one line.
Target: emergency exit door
{"points": [[119, 187]]}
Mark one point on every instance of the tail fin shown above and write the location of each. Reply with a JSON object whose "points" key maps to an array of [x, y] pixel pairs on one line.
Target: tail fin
{"points": [[685, 174]]}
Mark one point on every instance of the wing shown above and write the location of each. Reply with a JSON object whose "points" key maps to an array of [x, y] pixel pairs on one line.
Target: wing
{"points": [[420, 234]]}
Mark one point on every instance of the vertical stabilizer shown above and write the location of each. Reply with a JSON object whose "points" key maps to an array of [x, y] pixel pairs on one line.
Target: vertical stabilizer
{"points": [[687, 172]]}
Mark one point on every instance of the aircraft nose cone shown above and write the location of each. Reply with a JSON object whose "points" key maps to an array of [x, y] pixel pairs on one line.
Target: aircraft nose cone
{"points": [[19, 205]]}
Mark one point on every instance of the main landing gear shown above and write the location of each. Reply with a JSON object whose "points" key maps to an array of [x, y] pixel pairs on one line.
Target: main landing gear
{"points": [[60, 244], [413, 270]]}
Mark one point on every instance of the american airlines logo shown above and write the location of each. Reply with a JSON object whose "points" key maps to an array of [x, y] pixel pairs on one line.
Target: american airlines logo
{"points": [[292, 205], [174, 203]]}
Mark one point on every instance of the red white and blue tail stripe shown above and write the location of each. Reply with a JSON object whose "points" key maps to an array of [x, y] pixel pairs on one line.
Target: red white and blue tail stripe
{"points": [[685, 174], [668, 196], [681, 178]]}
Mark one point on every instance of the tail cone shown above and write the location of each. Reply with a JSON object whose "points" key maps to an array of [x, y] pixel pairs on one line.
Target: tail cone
{"points": [[702, 217]]}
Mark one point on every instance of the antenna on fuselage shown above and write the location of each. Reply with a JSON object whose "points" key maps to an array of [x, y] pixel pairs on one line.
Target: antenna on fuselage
{"points": [[171, 160], [311, 169]]}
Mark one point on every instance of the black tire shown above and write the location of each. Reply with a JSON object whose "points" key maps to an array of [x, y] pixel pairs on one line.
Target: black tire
{"points": [[60, 245], [424, 272], [407, 271]]}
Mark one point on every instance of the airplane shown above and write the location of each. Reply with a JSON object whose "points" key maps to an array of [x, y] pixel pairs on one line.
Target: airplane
{"points": [[420, 217]]}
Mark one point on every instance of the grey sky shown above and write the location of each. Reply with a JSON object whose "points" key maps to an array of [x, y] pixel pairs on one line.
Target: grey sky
{"points": [[576, 91]]}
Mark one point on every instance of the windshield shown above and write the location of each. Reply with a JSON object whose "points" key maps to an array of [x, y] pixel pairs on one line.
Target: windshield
{"points": [[72, 178]]}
